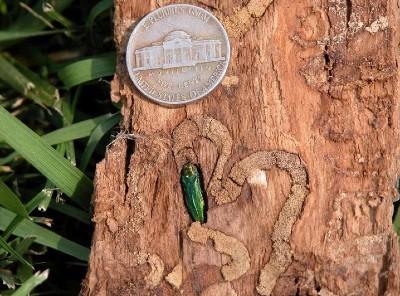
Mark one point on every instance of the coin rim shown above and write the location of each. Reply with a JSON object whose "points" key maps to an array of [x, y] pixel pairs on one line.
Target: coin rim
{"points": [[131, 42]]}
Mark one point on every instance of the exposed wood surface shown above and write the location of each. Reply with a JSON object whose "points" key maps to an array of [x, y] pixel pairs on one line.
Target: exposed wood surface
{"points": [[299, 149]]}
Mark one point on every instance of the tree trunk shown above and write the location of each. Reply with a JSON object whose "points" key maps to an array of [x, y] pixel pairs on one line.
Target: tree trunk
{"points": [[299, 151]]}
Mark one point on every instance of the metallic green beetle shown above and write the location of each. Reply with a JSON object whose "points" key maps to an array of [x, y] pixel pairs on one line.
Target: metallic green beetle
{"points": [[192, 191]]}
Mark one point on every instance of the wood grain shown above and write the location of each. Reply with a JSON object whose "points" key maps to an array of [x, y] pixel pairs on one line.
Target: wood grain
{"points": [[318, 79]]}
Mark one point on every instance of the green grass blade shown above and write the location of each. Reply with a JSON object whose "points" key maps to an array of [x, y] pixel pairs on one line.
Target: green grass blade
{"points": [[31, 22], [68, 110], [30, 284], [74, 131], [47, 192], [44, 236], [70, 211], [45, 159], [11, 251], [27, 82], [36, 15], [9, 158], [3, 7], [29, 207], [22, 246], [49, 187], [10, 200], [70, 152], [98, 9], [54, 15], [7, 36], [96, 136], [34, 203], [87, 69], [11, 227]]}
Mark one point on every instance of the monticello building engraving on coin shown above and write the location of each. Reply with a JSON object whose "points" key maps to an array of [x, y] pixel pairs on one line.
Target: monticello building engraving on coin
{"points": [[178, 50], [177, 54]]}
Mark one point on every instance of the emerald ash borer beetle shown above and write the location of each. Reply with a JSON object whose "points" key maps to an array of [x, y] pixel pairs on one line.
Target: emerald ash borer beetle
{"points": [[193, 192]]}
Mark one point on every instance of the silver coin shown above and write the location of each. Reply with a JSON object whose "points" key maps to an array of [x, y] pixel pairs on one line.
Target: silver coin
{"points": [[177, 54]]}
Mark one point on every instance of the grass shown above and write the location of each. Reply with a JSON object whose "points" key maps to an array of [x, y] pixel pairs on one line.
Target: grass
{"points": [[56, 119]]}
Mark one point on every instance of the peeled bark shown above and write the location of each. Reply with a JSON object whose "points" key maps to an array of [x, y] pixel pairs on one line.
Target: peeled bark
{"points": [[299, 151]]}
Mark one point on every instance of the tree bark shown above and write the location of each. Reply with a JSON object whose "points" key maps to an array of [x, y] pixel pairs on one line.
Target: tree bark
{"points": [[299, 151]]}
